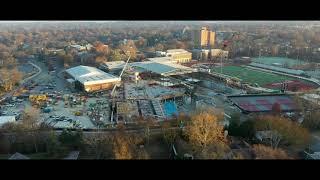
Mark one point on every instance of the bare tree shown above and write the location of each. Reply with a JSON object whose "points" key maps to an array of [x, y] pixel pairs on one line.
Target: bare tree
{"points": [[279, 130], [169, 133], [265, 152]]}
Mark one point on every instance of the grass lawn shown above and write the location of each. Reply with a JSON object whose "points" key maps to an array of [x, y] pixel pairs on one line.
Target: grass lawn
{"points": [[252, 76]]}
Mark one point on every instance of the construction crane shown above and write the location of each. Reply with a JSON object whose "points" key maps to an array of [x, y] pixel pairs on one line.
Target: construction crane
{"points": [[124, 67], [115, 86]]}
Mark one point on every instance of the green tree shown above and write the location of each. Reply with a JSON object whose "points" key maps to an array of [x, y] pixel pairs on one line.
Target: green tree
{"points": [[116, 55], [54, 149], [242, 129]]}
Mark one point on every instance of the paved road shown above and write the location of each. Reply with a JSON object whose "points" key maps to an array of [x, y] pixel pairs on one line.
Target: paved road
{"points": [[33, 76]]}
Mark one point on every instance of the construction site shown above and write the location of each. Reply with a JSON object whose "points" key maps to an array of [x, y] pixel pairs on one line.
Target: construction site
{"points": [[157, 88]]}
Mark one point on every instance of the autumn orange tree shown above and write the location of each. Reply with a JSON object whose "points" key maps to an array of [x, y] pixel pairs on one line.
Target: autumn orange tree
{"points": [[283, 131], [205, 129], [9, 78], [125, 146], [101, 48]]}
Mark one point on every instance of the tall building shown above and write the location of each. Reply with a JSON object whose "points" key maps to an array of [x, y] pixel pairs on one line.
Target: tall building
{"points": [[203, 38], [211, 38]]}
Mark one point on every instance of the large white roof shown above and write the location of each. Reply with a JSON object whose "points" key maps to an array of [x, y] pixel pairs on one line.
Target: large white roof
{"points": [[90, 75]]}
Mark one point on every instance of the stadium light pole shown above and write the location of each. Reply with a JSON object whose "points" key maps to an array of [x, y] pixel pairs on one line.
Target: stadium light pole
{"points": [[307, 53], [221, 63]]}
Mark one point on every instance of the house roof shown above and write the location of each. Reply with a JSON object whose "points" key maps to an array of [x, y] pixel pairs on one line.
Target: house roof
{"points": [[73, 155], [18, 156]]}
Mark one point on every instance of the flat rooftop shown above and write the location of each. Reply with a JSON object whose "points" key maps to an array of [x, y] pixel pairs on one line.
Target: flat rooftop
{"points": [[160, 59], [176, 51], [90, 75], [263, 103], [114, 64], [162, 68]]}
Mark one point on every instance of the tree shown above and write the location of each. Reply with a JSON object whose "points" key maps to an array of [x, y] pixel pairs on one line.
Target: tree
{"points": [[159, 47], [204, 129], [101, 144], [141, 43], [28, 129], [73, 140], [129, 48], [101, 48], [264, 152], [116, 55], [30, 122], [9, 78], [311, 120], [121, 147], [242, 129], [54, 148], [219, 150], [282, 131], [100, 59], [67, 59], [125, 146], [169, 133], [30, 118]]}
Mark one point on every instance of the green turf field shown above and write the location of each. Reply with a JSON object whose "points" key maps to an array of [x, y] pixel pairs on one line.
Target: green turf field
{"points": [[252, 76], [281, 60]]}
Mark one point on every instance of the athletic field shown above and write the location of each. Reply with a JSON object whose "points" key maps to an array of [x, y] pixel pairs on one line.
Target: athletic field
{"points": [[252, 76], [280, 60]]}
